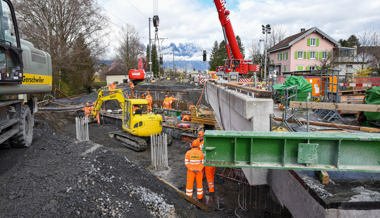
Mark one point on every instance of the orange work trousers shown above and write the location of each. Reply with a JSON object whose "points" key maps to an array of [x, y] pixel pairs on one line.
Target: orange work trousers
{"points": [[98, 118], [190, 182], [210, 174]]}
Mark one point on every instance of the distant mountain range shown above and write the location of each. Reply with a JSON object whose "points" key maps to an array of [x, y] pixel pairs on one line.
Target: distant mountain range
{"points": [[187, 56]]}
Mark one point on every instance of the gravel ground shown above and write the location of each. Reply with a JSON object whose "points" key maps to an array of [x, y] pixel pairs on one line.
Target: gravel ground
{"points": [[58, 176]]}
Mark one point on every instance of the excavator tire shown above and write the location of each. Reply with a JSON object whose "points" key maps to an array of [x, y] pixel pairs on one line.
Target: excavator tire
{"points": [[24, 137], [130, 141]]}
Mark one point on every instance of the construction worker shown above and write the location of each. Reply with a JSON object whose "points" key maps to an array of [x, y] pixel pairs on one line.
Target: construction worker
{"points": [[165, 104], [150, 100], [194, 163], [87, 109], [112, 86], [213, 76], [132, 88], [209, 171], [171, 99], [97, 115]]}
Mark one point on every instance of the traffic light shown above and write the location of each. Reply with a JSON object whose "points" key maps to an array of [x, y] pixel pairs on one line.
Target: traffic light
{"points": [[204, 55]]}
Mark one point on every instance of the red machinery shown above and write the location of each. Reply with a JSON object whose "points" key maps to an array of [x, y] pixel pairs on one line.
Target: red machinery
{"points": [[237, 64], [138, 74]]}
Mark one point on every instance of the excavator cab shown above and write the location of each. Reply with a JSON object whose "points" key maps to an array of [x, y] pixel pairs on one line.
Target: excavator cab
{"points": [[11, 68], [137, 123]]}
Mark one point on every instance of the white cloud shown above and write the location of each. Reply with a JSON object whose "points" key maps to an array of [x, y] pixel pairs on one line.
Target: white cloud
{"points": [[196, 21]]}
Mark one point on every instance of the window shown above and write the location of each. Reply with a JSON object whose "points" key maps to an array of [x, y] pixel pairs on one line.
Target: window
{"points": [[285, 56], [324, 55], [312, 55], [313, 42], [313, 67], [300, 55], [299, 68]]}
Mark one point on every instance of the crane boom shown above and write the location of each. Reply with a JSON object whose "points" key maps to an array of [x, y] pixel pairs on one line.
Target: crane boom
{"points": [[228, 31], [237, 64]]}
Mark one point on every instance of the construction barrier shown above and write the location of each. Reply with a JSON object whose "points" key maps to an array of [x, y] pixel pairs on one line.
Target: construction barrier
{"points": [[361, 83], [159, 151]]}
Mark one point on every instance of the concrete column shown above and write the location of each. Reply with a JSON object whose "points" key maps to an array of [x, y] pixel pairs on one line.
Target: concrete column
{"points": [[240, 112]]}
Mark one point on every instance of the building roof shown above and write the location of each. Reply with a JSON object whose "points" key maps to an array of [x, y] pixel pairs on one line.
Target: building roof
{"points": [[116, 69], [291, 40]]}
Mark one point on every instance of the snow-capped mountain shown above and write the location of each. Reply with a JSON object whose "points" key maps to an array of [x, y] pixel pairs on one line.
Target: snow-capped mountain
{"points": [[187, 56]]}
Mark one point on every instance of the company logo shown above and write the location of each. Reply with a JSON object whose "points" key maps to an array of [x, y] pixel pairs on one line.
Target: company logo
{"points": [[34, 79]]}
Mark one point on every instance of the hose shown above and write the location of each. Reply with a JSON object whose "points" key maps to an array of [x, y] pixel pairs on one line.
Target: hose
{"points": [[60, 108]]}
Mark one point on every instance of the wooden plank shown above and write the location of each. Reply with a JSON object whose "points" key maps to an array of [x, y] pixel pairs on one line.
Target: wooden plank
{"points": [[335, 106], [352, 98], [336, 125], [187, 198]]}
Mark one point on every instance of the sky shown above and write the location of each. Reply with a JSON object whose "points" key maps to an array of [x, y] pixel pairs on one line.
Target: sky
{"points": [[196, 21]]}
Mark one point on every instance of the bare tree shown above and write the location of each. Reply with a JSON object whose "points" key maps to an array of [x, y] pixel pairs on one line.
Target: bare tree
{"points": [[369, 50], [56, 25], [131, 48], [278, 33]]}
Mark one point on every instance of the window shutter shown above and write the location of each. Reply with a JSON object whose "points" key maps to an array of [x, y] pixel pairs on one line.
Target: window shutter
{"points": [[286, 55], [317, 43], [304, 55], [308, 55], [329, 54], [320, 54], [308, 42], [296, 55], [316, 55], [308, 68]]}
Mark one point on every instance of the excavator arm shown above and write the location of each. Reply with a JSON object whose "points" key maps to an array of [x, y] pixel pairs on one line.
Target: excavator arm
{"points": [[116, 94]]}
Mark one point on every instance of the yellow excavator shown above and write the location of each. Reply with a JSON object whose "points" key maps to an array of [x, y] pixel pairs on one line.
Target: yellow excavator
{"points": [[138, 124]]}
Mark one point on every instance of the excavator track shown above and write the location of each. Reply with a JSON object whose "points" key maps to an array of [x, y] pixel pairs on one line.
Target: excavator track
{"points": [[130, 141]]}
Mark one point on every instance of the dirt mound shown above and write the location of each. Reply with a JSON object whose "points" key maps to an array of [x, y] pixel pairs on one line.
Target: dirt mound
{"points": [[59, 176]]}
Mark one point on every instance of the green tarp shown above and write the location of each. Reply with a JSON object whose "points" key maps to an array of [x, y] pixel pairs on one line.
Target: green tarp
{"points": [[303, 88], [372, 96]]}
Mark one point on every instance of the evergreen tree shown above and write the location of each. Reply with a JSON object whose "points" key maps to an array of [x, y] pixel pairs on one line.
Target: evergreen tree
{"points": [[222, 53], [147, 68], [213, 57], [241, 47], [155, 63]]}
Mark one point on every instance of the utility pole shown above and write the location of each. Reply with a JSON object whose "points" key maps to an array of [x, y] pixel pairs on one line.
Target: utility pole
{"points": [[150, 49], [173, 61], [266, 31]]}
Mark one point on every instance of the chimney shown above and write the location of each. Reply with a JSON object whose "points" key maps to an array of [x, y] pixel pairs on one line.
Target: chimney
{"points": [[303, 30]]}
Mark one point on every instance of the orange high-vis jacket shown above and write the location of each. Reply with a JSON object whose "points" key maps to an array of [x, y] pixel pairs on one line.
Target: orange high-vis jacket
{"points": [[87, 111], [149, 99], [194, 160]]}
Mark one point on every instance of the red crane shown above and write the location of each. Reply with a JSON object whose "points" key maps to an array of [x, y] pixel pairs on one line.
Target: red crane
{"points": [[139, 74], [237, 64]]}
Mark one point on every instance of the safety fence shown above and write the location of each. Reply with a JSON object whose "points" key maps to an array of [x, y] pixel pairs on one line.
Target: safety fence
{"points": [[81, 127], [159, 151]]}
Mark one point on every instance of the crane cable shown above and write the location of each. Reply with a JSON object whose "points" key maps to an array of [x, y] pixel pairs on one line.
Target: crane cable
{"points": [[200, 98]]}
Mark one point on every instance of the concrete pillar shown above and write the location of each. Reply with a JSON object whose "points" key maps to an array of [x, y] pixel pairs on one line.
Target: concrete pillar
{"points": [[240, 112]]}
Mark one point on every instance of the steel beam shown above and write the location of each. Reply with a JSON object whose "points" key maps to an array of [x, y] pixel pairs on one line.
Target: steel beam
{"points": [[293, 150]]}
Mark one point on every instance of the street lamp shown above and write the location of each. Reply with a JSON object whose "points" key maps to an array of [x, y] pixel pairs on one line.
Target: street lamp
{"points": [[266, 30]]}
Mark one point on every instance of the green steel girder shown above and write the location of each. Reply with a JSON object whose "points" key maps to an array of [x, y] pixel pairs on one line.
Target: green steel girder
{"points": [[293, 150]]}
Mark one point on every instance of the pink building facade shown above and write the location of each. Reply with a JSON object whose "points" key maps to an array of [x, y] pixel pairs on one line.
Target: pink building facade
{"points": [[306, 50]]}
